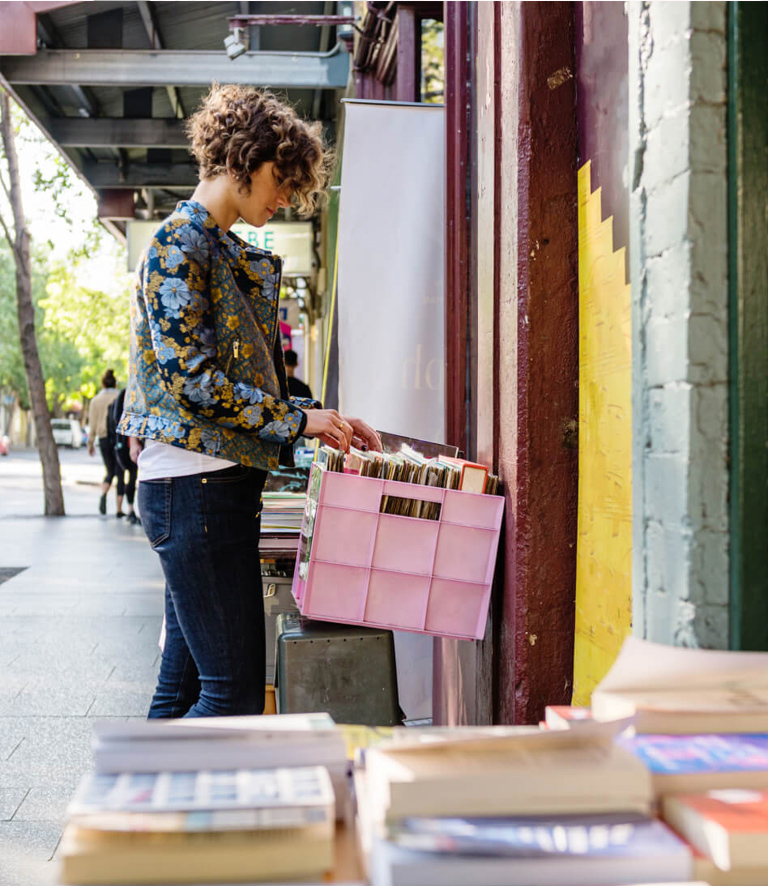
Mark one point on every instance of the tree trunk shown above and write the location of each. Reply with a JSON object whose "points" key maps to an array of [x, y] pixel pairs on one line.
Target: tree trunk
{"points": [[49, 454]]}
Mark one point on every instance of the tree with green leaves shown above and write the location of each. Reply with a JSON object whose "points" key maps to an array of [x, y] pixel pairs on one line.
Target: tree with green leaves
{"points": [[84, 331], [17, 235], [432, 61]]}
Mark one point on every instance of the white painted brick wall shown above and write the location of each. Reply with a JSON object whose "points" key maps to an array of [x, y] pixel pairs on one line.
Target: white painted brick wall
{"points": [[678, 257]]}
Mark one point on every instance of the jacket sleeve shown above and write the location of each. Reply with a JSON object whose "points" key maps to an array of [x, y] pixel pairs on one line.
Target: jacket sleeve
{"points": [[175, 287], [306, 403]]}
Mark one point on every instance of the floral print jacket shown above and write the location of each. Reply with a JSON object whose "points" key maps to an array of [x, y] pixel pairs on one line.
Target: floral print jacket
{"points": [[206, 370]]}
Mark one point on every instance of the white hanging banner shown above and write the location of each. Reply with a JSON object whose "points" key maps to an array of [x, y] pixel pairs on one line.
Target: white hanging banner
{"points": [[391, 299], [391, 260]]}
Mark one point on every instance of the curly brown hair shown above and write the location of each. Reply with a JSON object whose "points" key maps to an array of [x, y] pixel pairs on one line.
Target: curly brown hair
{"points": [[237, 128]]}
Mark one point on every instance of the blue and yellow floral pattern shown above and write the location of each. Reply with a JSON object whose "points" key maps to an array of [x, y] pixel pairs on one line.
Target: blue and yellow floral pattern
{"points": [[207, 371]]}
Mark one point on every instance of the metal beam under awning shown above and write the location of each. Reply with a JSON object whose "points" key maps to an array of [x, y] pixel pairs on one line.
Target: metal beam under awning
{"points": [[139, 67], [78, 132], [141, 175]]}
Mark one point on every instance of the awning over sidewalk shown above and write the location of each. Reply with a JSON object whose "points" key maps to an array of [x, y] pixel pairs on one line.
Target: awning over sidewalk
{"points": [[110, 83]]}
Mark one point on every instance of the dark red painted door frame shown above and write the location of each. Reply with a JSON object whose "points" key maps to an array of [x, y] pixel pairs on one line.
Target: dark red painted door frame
{"points": [[536, 318]]}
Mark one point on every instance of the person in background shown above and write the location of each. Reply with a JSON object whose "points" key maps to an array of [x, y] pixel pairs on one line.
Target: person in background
{"points": [[208, 395], [124, 464], [98, 431], [296, 386]]}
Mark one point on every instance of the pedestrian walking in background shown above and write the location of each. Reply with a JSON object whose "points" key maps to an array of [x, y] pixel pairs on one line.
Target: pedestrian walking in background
{"points": [[296, 386], [124, 464], [97, 421], [208, 394]]}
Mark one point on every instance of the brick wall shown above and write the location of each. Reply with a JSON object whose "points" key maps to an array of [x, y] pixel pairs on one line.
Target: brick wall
{"points": [[678, 223]]}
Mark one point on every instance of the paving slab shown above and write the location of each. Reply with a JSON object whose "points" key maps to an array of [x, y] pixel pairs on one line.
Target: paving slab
{"points": [[44, 803], [27, 849], [11, 799], [78, 640]]}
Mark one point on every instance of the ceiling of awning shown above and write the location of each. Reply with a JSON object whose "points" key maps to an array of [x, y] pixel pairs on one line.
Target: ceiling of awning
{"points": [[111, 82]]}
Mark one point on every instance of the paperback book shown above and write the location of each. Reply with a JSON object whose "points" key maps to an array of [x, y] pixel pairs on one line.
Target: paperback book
{"points": [[199, 827], [728, 826], [537, 772], [567, 717], [266, 742], [692, 763], [548, 851], [195, 790], [676, 690]]}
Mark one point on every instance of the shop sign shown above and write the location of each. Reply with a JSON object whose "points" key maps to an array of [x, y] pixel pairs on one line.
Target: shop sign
{"points": [[291, 240]]}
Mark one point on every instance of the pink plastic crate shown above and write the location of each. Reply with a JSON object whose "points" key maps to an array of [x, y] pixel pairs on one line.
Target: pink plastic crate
{"points": [[404, 573]]}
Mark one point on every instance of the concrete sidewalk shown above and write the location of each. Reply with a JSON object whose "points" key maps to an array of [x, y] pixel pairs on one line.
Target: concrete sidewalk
{"points": [[78, 642]]}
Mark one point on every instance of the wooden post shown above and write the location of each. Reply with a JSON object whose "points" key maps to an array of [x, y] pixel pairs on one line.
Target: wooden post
{"points": [[538, 356], [408, 54]]}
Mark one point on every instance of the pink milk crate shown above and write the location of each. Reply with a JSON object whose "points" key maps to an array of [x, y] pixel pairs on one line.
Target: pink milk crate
{"points": [[360, 566]]}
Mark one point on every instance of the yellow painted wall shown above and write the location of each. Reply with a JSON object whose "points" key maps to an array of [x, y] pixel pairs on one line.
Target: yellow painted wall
{"points": [[604, 556]]}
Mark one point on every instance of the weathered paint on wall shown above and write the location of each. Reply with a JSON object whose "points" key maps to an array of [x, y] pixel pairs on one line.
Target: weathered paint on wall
{"points": [[604, 559]]}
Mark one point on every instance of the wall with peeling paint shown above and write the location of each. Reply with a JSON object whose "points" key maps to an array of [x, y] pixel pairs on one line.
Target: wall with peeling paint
{"points": [[678, 263]]}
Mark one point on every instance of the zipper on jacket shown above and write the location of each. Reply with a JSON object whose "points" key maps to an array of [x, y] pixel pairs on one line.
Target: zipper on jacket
{"points": [[277, 301], [234, 354]]}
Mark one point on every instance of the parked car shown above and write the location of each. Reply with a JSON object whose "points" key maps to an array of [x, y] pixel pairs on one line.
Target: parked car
{"points": [[67, 432]]}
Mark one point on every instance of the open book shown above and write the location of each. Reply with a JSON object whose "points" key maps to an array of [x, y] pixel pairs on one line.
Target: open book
{"points": [[669, 689]]}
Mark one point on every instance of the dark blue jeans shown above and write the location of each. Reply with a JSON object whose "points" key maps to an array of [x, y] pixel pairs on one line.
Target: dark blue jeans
{"points": [[205, 528]]}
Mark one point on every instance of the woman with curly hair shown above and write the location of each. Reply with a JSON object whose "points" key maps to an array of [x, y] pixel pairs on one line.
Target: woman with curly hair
{"points": [[208, 396]]}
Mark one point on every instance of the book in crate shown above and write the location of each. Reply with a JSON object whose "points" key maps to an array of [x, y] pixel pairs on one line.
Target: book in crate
{"points": [[358, 565]]}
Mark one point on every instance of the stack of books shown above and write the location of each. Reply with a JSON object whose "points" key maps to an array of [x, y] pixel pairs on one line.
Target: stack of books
{"points": [[505, 806], [265, 742], [281, 516], [199, 827], [208, 800], [663, 779], [700, 726]]}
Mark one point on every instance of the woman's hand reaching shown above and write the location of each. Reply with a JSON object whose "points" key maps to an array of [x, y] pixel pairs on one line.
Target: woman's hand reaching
{"points": [[340, 432], [363, 437]]}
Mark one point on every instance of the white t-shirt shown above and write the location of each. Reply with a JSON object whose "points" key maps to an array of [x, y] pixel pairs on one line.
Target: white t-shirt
{"points": [[158, 460]]}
